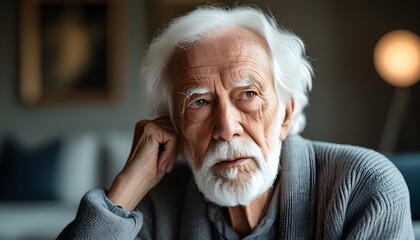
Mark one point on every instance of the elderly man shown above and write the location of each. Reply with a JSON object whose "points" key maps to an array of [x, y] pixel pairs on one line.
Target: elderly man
{"points": [[229, 87]]}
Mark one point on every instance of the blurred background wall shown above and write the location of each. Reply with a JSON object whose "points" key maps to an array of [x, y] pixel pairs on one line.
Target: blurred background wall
{"points": [[56, 119], [349, 101], [348, 104]]}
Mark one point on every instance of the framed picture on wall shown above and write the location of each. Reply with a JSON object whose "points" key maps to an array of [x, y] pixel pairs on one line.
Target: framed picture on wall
{"points": [[70, 51]]}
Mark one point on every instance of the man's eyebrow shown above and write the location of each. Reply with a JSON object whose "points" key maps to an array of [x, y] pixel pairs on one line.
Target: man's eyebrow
{"points": [[195, 91], [192, 91], [248, 81]]}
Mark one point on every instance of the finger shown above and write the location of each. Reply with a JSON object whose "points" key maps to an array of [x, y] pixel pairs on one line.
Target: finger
{"points": [[168, 154], [167, 151], [164, 120], [156, 138], [158, 144], [165, 123], [138, 131]]}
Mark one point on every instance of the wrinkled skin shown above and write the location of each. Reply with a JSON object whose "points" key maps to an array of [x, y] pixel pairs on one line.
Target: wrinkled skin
{"points": [[220, 63], [223, 88]]}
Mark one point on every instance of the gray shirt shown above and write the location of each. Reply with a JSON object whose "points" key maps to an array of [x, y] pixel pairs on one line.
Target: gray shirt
{"points": [[324, 191], [266, 229]]}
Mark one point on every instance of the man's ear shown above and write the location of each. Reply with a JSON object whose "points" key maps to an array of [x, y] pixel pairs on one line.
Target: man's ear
{"points": [[285, 126]]}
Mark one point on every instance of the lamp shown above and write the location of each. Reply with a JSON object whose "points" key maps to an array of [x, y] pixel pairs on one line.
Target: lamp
{"points": [[397, 60]]}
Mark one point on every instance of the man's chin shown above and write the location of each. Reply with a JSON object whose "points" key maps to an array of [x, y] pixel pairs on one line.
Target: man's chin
{"points": [[231, 192]]}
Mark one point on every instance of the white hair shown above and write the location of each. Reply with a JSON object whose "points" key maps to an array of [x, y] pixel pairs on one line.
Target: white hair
{"points": [[291, 69]]}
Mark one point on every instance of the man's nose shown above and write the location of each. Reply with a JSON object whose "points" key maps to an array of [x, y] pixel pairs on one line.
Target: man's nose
{"points": [[227, 123]]}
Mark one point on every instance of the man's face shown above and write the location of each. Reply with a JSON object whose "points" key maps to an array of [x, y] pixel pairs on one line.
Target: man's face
{"points": [[226, 108]]}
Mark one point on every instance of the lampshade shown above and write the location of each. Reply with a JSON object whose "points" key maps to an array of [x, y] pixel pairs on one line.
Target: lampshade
{"points": [[397, 58]]}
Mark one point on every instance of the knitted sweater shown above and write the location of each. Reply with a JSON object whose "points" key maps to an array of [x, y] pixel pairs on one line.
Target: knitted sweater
{"points": [[326, 191]]}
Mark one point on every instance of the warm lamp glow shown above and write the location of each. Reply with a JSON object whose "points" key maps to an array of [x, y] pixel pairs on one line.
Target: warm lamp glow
{"points": [[397, 58]]}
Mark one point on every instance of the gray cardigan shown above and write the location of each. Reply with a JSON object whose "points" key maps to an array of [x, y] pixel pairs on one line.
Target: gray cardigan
{"points": [[326, 191]]}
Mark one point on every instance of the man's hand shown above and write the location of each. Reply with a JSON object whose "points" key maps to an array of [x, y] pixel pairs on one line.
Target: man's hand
{"points": [[153, 154]]}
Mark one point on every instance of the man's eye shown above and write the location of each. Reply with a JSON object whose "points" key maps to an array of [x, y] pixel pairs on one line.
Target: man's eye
{"points": [[249, 94], [199, 103]]}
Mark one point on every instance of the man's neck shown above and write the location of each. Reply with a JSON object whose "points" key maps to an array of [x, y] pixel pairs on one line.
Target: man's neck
{"points": [[244, 219]]}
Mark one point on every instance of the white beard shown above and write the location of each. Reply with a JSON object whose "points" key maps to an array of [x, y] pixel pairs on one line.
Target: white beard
{"points": [[225, 189]]}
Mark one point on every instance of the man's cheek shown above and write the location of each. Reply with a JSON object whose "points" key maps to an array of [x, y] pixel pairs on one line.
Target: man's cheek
{"points": [[256, 127], [193, 148]]}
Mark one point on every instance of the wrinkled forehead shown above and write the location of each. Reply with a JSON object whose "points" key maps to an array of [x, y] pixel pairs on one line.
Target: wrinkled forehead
{"points": [[223, 48], [226, 45]]}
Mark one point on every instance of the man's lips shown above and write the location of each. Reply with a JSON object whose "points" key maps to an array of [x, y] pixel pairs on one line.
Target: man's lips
{"points": [[231, 162]]}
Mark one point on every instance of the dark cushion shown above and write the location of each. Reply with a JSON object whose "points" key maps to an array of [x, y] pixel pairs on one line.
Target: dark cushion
{"points": [[409, 165], [28, 173]]}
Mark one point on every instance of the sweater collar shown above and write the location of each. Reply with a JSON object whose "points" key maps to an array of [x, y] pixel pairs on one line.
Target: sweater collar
{"points": [[297, 183]]}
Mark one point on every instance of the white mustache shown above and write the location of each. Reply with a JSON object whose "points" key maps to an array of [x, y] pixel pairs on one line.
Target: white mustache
{"points": [[233, 149]]}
